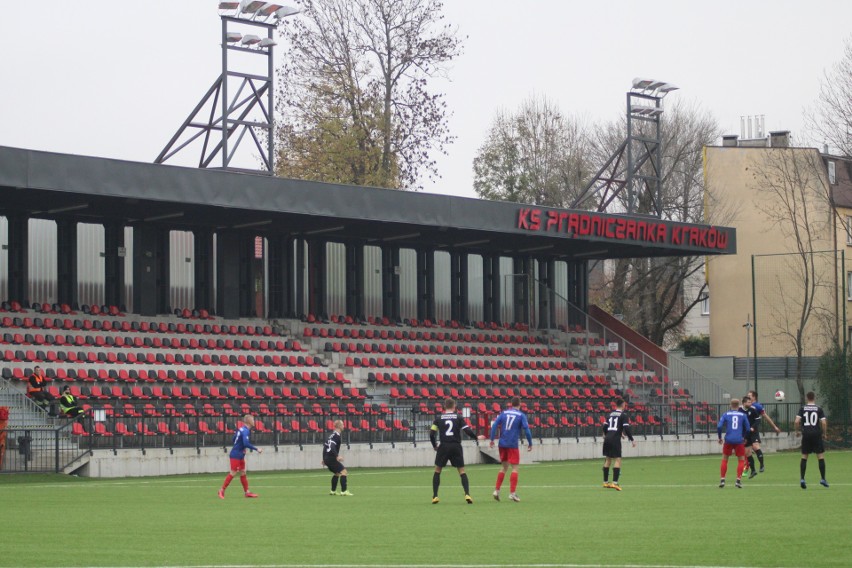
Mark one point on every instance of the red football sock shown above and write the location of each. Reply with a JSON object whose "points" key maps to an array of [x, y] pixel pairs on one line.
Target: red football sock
{"points": [[724, 468], [513, 481], [244, 481], [500, 476], [740, 468], [228, 479]]}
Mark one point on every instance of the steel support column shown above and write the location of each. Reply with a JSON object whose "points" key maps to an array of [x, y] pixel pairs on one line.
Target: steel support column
{"points": [[113, 264], [459, 286], [203, 250], [246, 275], [18, 257], [227, 275], [164, 270], [66, 261], [546, 294], [280, 276], [390, 282], [491, 288], [521, 300], [317, 289], [355, 279], [426, 284]]}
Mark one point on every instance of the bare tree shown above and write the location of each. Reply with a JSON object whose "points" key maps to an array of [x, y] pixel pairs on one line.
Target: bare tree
{"points": [[534, 155], [798, 289], [355, 99], [830, 120]]}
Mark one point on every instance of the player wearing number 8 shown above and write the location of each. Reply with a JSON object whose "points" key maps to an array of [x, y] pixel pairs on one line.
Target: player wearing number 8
{"points": [[811, 420], [510, 423], [735, 424], [615, 425]]}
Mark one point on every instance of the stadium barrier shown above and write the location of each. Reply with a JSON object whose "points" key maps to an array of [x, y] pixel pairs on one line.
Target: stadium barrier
{"points": [[39, 450]]}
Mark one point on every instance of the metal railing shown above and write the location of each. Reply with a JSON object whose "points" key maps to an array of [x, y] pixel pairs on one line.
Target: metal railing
{"points": [[150, 426], [40, 450]]}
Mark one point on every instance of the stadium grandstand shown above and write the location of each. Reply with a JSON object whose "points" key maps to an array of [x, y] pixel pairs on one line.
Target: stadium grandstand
{"points": [[174, 300]]}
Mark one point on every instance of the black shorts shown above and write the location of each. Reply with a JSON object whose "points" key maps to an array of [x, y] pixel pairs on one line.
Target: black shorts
{"points": [[450, 452], [612, 447], [752, 438], [812, 444], [333, 465]]}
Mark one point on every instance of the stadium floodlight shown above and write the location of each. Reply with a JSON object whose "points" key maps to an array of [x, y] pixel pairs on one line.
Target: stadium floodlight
{"points": [[233, 37], [285, 11], [267, 42], [250, 39], [668, 88], [251, 6], [228, 6], [268, 9], [641, 84]]}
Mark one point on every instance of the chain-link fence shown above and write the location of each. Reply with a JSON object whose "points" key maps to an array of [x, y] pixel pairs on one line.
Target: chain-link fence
{"points": [[799, 302]]}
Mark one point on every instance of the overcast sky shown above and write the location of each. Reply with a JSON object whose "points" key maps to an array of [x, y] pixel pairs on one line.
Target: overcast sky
{"points": [[117, 79]]}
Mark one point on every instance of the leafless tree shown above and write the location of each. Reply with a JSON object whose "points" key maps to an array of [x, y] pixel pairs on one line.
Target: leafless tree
{"points": [[830, 120], [533, 155], [355, 97]]}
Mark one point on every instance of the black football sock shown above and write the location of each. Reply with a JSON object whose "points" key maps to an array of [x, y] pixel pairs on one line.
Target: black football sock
{"points": [[436, 482], [759, 457], [343, 483], [802, 467], [465, 484], [334, 483], [822, 468], [751, 462], [606, 474], [616, 473]]}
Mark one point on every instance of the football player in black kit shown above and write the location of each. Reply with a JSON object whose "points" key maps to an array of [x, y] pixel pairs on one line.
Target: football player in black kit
{"points": [[333, 462], [448, 429], [811, 421], [753, 435], [615, 425]]}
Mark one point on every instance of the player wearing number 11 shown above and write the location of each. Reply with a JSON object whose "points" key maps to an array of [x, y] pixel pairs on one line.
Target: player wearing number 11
{"points": [[615, 425]]}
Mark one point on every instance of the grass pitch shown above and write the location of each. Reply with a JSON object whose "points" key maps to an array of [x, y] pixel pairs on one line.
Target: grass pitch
{"points": [[671, 513]]}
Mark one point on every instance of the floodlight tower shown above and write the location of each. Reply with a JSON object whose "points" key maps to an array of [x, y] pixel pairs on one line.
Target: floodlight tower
{"points": [[249, 108], [636, 166]]}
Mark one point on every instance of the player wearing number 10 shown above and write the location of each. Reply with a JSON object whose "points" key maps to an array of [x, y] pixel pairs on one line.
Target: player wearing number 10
{"points": [[615, 425], [735, 424], [510, 422], [811, 419]]}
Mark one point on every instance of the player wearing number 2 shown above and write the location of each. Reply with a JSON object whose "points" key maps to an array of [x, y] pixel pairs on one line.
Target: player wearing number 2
{"points": [[448, 427], [615, 425], [510, 423], [735, 424], [811, 420]]}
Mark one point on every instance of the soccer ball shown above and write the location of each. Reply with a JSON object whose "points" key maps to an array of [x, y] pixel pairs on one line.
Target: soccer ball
{"points": [[779, 395]]}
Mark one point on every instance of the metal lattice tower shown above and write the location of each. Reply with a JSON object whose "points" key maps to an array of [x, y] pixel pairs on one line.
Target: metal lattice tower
{"points": [[239, 102], [636, 166]]}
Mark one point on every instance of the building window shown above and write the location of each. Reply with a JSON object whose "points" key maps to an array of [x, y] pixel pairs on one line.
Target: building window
{"points": [[848, 229], [705, 304], [849, 286], [832, 173]]}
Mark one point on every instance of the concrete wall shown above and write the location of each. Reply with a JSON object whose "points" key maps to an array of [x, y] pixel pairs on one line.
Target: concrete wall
{"points": [[133, 463]]}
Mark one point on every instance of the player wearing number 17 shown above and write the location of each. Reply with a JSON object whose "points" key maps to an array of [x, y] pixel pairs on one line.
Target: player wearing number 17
{"points": [[238, 457], [615, 425], [510, 423], [735, 424]]}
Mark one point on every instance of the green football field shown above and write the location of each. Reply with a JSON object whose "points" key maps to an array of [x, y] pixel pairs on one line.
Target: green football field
{"points": [[670, 513]]}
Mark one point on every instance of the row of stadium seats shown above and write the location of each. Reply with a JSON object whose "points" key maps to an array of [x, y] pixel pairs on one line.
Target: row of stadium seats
{"points": [[202, 393], [494, 379], [147, 341], [157, 358], [427, 349], [411, 322], [456, 363], [154, 375], [419, 335], [88, 324]]}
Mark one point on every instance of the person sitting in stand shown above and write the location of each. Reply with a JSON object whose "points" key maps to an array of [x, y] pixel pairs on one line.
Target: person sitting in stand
{"points": [[37, 390], [68, 405]]}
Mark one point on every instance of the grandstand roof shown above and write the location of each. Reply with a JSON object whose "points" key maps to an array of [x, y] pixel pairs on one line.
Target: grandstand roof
{"points": [[95, 190]]}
